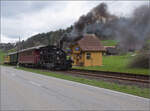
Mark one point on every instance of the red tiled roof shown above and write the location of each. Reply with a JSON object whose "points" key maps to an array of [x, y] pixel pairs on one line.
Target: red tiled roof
{"points": [[90, 43]]}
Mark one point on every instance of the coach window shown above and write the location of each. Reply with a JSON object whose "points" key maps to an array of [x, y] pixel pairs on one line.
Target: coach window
{"points": [[88, 55]]}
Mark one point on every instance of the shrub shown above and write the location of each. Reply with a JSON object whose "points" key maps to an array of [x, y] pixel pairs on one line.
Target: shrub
{"points": [[140, 61]]}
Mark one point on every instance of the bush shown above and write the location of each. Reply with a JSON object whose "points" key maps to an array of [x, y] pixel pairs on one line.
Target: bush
{"points": [[140, 61]]}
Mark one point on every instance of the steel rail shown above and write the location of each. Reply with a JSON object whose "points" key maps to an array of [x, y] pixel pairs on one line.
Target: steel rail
{"points": [[125, 76]]}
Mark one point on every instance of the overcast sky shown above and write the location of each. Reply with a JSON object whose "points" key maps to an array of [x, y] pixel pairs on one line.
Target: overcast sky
{"points": [[27, 18]]}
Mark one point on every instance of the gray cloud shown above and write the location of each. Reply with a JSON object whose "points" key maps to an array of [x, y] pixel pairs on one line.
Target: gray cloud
{"points": [[13, 8]]}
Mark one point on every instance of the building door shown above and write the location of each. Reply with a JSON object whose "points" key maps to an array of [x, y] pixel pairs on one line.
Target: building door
{"points": [[77, 59]]}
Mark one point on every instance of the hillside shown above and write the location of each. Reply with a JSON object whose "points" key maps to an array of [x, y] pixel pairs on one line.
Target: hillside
{"points": [[109, 42], [7, 46], [51, 38]]}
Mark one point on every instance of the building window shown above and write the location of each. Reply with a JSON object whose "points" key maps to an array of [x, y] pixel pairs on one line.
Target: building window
{"points": [[77, 49], [88, 55]]}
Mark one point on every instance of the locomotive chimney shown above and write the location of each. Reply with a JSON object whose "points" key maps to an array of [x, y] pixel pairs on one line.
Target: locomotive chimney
{"points": [[64, 38]]}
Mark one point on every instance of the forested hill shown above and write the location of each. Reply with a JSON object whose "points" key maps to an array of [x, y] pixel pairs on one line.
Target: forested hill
{"points": [[49, 38]]}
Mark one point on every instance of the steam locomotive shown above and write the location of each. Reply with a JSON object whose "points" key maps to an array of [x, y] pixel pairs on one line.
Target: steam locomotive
{"points": [[50, 57]]}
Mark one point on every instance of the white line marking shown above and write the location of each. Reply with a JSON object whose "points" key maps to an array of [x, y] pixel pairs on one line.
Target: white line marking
{"points": [[34, 83]]}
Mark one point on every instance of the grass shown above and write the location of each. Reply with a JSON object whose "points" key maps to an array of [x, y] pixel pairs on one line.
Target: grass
{"points": [[117, 64], [134, 90], [12, 50], [2, 54], [109, 42]]}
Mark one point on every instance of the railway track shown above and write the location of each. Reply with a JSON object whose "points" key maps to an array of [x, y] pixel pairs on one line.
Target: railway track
{"points": [[112, 75], [106, 74]]}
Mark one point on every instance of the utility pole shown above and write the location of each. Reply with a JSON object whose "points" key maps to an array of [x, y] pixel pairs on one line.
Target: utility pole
{"points": [[18, 47]]}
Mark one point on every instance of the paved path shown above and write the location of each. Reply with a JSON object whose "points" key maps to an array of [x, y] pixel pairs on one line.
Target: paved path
{"points": [[21, 90]]}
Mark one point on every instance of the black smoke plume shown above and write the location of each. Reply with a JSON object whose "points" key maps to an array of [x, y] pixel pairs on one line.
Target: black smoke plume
{"points": [[79, 29], [132, 32]]}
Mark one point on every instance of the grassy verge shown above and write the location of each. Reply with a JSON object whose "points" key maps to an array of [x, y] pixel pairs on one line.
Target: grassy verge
{"points": [[117, 64], [2, 54], [143, 92]]}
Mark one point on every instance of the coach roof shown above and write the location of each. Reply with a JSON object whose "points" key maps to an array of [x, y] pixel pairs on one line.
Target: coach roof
{"points": [[31, 48]]}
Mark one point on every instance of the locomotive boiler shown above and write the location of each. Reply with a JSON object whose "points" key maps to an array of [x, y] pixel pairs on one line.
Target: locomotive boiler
{"points": [[53, 57]]}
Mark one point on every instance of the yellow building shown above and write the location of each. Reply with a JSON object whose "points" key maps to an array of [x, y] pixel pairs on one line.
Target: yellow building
{"points": [[87, 51]]}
